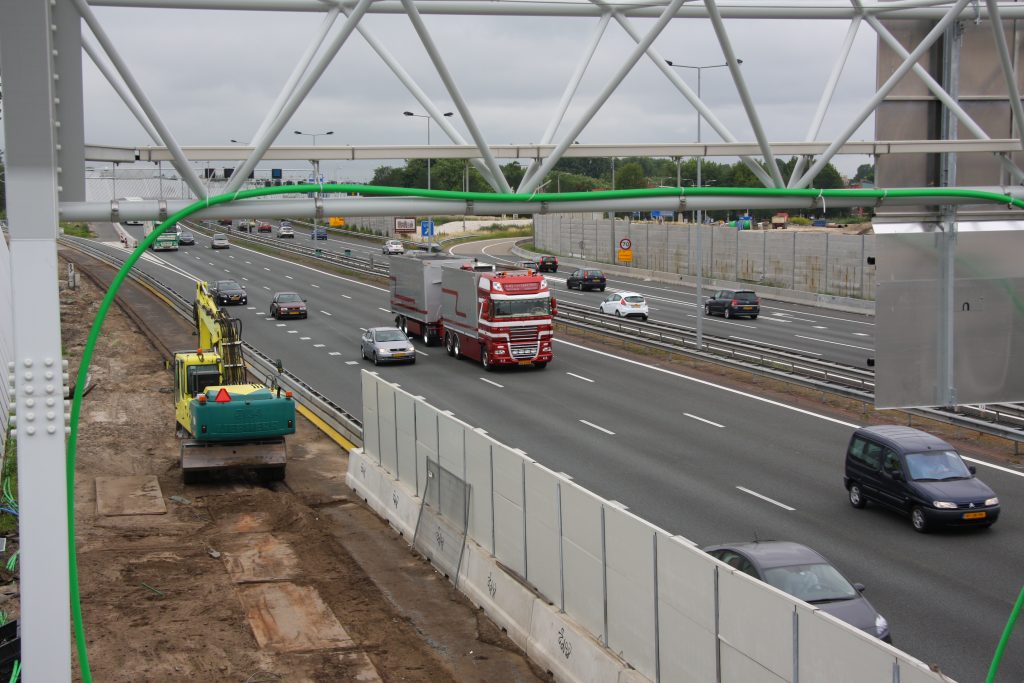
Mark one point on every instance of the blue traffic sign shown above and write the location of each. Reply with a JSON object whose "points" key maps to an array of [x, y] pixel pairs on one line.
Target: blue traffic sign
{"points": [[427, 228]]}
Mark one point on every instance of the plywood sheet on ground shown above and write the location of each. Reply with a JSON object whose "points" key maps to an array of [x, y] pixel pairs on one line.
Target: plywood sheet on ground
{"points": [[258, 557], [129, 496], [289, 618]]}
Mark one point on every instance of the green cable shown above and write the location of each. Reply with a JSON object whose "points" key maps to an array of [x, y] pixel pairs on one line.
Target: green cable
{"points": [[1005, 638], [16, 671], [115, 285]]}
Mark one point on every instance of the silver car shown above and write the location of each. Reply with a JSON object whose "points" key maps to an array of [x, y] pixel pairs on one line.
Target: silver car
{"points": [[219, 241], [386, 345], [393, 247]]}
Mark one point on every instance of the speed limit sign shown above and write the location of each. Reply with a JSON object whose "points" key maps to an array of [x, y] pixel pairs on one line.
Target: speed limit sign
{"points": [[625, 243]]}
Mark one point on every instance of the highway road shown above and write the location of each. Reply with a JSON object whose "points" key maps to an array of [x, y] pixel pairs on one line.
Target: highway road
{"points": [[710, 463]]}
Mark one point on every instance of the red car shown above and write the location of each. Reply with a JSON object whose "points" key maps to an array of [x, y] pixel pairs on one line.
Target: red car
{"points": [[265, 227]]}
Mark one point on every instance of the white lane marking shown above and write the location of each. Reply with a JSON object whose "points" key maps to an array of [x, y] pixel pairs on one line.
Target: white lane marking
{"points": [[345, 296], [826, 341], [325, 313], [305, 338], [773, 502], [383, 309], [706, 383], [995, 467], [777, 320], [774, 346], [250, 308], [363, 329], [210, 262], [265, 268], [317, 286], [351, 362], [500, 386], [318, 272], [230, 256], [260, 313], [789, 316], [819, 327], [585, 379], [598, 427], [731, 322], [246, 279], [199, 258], [422, 353], [701, 419], [293, 331], [334, 353], [289, 277], [249, 262], [266, 288], [279, 324], [226, 270], [860, 334]]}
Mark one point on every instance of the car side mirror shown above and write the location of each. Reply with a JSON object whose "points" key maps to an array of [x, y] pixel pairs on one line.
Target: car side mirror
{"points": [[972, 469], [859, 587], [303, 301], [896, 475]]}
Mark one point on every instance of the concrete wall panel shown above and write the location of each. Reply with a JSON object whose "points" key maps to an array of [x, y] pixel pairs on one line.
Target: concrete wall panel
{"points": [[405, 419], [542, 555], [388, 427], [426, 441], [509, 520], [451, 443], [737, 667], [478, 476], [630, 555], [371, 430], [832, 651], [582, 552], [756, 619]]}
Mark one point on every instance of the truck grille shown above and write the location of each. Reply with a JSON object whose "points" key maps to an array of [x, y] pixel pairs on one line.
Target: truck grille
{"points": [[524, 350], [522, 334]]}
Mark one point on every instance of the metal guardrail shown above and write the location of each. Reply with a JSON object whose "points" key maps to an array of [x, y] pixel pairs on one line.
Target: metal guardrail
{"points": [[261, 365], [1004, 421]]}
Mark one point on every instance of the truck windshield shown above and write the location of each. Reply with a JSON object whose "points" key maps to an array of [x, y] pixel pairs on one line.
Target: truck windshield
{"points": [[510, 308]]}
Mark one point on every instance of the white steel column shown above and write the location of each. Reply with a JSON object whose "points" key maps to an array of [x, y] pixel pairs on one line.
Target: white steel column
{"points": [[873, 103], [623, 71], [570, 90], [826, 96], [741, 87], [67, 64], [453, 90], [26, 44]]}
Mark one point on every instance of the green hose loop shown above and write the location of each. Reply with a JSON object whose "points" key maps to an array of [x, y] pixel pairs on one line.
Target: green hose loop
{"points": [[552, 198], [1005, 638]]}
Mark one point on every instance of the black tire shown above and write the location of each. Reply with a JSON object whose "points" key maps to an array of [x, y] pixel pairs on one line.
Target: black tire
{"points": [[728, 312], [427, 339], [918, 520], [857, 496], [602, 289], [271, 314], [376, 361], [362, 352], [707, 309], [568, 284], [449, 343], [644, 318], [540, 365], [754, 317], [618, 313], [458, 347], [485, 360], [268, 474]]}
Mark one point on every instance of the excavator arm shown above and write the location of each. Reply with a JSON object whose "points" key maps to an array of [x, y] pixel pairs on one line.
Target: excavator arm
{"points": [[219, 332]]}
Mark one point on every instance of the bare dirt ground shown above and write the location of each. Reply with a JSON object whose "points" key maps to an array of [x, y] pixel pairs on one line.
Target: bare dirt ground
{"points": [[238, 581]]}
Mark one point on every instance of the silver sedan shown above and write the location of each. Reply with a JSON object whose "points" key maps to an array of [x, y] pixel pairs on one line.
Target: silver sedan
{"points": [[386, 345]]}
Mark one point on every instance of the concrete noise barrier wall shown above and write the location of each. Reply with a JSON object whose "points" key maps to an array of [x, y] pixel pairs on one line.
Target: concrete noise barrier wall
{"points": [[590, 591]]}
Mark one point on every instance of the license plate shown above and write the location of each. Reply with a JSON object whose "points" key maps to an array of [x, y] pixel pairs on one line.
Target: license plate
{"points": [[399, 355], [526, 362], [975, 515], [295, 313]]}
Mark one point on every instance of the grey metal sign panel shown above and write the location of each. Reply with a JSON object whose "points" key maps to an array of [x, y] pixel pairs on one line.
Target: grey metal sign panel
{"points": [[988, 319]]}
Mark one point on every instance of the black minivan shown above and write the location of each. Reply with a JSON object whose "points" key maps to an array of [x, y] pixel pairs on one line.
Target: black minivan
{"points": [[918, 474]]}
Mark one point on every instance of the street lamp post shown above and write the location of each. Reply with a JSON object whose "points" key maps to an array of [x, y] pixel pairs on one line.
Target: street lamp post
{"points": [[700, 214], [316, 171], [428, 118]]}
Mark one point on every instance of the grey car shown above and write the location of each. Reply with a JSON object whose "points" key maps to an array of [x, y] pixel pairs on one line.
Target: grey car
{"points": [[219, 241], [805, 574], [386, 345]]}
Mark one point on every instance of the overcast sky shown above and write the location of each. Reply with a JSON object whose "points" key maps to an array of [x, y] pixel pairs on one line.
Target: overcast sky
{"points": [[212, 76]]}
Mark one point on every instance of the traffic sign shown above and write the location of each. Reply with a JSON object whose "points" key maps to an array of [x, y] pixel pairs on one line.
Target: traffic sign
{"points": [[427, 228], [625, 244]]}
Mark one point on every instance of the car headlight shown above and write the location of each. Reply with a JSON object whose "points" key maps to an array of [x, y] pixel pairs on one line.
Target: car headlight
{"points": [[944, 505], [881, 625], [992, 501]]}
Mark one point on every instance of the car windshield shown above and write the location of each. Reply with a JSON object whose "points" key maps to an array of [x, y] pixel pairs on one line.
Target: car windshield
{"points": [[633, 299], [745, 296], [389, 335], [937, 466], [288, 298], [228, 284], [811, 582], [186, 234], [510, 308], [220, 236]]}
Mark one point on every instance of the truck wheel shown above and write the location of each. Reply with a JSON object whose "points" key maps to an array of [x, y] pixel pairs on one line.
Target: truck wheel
{"points": [[458, 347], [268, 474], [401, 324], [427, 339], [485, 360], [449, 344]]}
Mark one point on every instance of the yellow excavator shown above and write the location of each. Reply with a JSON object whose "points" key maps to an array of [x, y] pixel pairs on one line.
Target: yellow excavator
{"points": [[224, 420]]}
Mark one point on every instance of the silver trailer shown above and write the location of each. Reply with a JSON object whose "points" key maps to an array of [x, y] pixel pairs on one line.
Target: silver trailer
{"points": [[415, 283], [459, 309]]}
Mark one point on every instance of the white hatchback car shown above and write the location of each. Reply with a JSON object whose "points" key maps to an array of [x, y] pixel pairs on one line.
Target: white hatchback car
{"points": [[393, 247], [625, 305]]}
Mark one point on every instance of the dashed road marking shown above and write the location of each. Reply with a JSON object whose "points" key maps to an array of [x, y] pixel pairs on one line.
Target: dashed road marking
{"points": [[325, 313], [701, 419], [766, 498], [598, 427], [500, 386], [585, 379]]}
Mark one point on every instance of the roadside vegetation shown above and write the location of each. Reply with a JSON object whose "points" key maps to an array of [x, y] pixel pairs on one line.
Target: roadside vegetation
{"points": [[76, 229]]}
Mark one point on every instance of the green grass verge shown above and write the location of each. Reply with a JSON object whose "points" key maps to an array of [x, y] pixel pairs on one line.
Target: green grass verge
{"points": [[76, 229], [8, 522]]}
